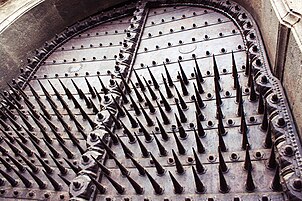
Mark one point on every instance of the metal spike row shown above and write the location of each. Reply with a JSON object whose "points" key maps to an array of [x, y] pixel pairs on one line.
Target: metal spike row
{"points": [[165, 102], [61, 168], [74, 168], [140, 83], [181, 130], [91, 91], [199, 167], [124, 97], [134, 106], [148, 137], [103, 168], [200, 147], [155, 84], [180, 147], [181, 100], [149, 104], [54, 183], [97, 184], [164, 117], [223, 186], [161, 148], [182, 115], [159, 168], [27, 150], [11, 180], [157, 188], [199, 186], [145, 152], [183, 86], [128, 133], [131, 119], [247, 160], [126, 150], [104, 88], [183, 74], [163, 132], [201, 132], [179, 167]]}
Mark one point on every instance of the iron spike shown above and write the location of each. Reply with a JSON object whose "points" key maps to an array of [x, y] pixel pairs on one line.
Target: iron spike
{"points": [[85, 116], [140, 83], [42, 129], [135, 106], [140, 168], [54, 183], [199, 167], [75, 141], [168, 76], [180, 147], [99, 186], [201, 132], [181, 100], [247, 160], [3, 150], [128, 133], [68, 153], [24, 147], [122, 168], [104, 88], [91, 91], [182, 115], [147, 118], [155, 84], [198, 74], [149, 104], [21, 91], [200, 147], [223, 186], [178, 189], [87, 102], [276, 185], [161, 148], [168, 90], [183, 86], [74, 168], [145, 152], [163, 133], [250, 77], [119, 188], [138, 189], [46, 167], [8, 136], [34, 93], [16, 150], [10, 103], [8, 113], [264, 124], [127, 87], [48, 96], [179, 167], [253, 95], [181, 130], [80, 92], [15, 92], [67, 92], [271, 164], [58, 95], [31, 136], [50, 124], [11, 180], [260, 105], [198, 111], [24, 180], [126, 150], [164, 117], [240, 106], [94, 108], [268, 138], [243, 125], [67, 182], [234, 70], [217, 93], [33, 167], [75, 102], [157, 188], [61, 168], [236, 82], [131, 119], [124, 97], [165, 102], [247, 64], [111, 134], [239, 93], [148, 137], [159, 168], [53, 150], [16, 124], [106, 147], [222, 145], [199, 86], [20, 166], [183, 74], [103, 168], [221, 128], [216, 72], [117, 124], [222, 164], [198, 97], [26, 122], [137, 93], [4, 125], [6, 164], [151, 91], [121, 112], [249, 185], [199, 187]]}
